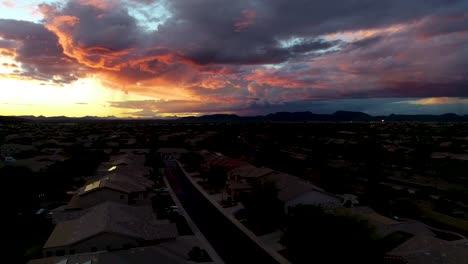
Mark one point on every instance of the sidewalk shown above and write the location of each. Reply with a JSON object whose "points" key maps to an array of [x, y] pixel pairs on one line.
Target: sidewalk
{"points": [[274, 254]]}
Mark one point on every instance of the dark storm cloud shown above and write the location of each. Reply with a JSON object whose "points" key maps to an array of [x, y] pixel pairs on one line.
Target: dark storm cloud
{"points": [[241, 55], [373, 106], [108, 26], [204, 29], [420, 89], [38, 50], [367, 42], [313, 46]]}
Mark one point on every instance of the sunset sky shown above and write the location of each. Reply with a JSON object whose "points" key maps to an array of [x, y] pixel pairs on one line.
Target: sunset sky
{"points": [[158, 58]]}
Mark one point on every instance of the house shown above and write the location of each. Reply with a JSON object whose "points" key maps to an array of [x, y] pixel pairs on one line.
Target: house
{"points": [[422, 246], [239, 180], [120, 180], [219, 161], [108, 226], [294, 191], [119, 188], [131, 165]]}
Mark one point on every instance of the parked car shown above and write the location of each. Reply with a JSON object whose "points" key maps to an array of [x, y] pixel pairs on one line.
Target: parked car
{"points": [[162, 190]]}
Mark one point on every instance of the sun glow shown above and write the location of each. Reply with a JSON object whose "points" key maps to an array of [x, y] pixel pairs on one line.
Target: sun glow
{"points": [[80, 98]]}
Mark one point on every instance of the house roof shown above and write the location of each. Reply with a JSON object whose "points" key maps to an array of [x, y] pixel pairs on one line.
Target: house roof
{"points": [[249, 171], [425, 249], [172, 150], [317, 198], [173, 251], [136, 222], [125, 160], [290, 186], [226, 163], [118, 182]]}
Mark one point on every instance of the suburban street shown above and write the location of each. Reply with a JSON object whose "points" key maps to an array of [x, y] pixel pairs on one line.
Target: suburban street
{"points": [[232, 245]]}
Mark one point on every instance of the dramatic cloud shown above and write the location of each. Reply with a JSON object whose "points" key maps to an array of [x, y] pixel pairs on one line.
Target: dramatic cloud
{"points": [[246, 20], [247, 56], [38, 51]]}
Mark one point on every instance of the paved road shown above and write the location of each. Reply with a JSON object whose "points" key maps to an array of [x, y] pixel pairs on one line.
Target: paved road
{"points": [[232, 245]]}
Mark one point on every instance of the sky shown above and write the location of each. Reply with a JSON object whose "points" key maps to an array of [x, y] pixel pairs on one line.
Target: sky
{"points": [[165, 58]]}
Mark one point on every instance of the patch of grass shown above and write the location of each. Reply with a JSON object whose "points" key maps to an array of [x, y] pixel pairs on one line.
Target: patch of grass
{"points": [[35, 251], [446, 222]]}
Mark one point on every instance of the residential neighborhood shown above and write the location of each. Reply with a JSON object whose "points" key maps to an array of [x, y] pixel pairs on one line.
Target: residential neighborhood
{"points": [[422, 245], [234, 131], [106, 191]]}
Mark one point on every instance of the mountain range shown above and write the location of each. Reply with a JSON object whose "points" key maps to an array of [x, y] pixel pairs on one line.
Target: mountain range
{"points": [[339, 116]]}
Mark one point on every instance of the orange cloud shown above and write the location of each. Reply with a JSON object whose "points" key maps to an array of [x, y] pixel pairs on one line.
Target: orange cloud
{"points": [[270, 77], [93, 57], [7, 52], [439, 101], [355, 35]]}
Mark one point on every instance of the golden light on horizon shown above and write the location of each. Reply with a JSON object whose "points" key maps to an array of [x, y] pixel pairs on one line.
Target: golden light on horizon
{"points": [[80, 98]]}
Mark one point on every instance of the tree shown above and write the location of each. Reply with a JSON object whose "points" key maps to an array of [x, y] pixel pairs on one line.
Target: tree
{"points": [[265, 210], [192, 160], [457, 195], [406, 207], [197, 254], [216, 177], [313, 235], [21, 184], [154, 160]]}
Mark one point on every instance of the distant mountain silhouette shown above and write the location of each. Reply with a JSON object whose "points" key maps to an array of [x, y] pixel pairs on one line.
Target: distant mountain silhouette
{"points": [[355, 116], [296, 116], [216, 117], [338, 116], [12, 119]]}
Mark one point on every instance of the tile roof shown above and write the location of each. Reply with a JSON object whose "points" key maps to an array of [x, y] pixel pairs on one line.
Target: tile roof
{"points": [[424, 249], [250, 171], [174, 252], [290, 186], [137, 222]]}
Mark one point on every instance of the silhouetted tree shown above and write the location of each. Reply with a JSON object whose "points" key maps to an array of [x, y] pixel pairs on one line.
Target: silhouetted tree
{"points": [[216, 177], [197, 254], [192, 160], [265, 210], [313, 235]]}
